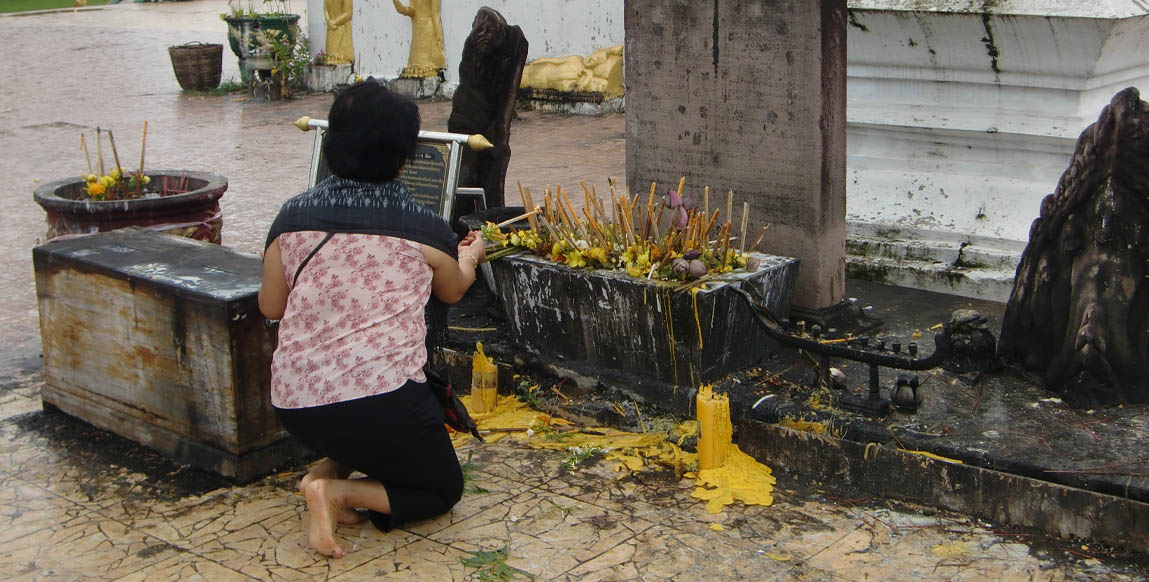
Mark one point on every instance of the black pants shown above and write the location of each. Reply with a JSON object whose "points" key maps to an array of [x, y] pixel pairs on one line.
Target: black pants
{"points": [[398, 438]]}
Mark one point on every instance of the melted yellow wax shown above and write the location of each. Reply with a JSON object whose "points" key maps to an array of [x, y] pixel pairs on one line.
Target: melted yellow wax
{"points": [[698, 324], [739, 478]]}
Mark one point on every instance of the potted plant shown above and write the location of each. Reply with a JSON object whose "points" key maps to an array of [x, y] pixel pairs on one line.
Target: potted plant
{"points": [[249, 31], [290, 59], [179, 202]]}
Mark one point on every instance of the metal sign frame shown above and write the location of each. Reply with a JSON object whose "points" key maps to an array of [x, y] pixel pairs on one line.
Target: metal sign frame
{"points": [[453, 141]]}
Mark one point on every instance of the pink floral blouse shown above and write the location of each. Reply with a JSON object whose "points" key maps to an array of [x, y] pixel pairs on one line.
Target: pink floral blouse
{"points": [[354, 323]]}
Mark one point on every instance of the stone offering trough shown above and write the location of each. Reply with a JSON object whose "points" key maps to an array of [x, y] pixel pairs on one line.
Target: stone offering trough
{"points": [[606, 319]]}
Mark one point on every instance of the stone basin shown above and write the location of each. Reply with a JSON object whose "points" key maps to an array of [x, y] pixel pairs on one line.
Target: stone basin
{"points": [[605, 319]]}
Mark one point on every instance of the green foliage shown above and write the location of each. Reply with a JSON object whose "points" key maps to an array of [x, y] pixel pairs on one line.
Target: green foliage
{"points": [[26, 5], [492, 566], [469, 485], [563, 510], [290, 60], [528, 392], [249, 8], [576, 455]]}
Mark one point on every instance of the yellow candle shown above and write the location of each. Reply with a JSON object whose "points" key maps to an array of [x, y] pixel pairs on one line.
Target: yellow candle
{"points": [[715, 427], [484, 381]]}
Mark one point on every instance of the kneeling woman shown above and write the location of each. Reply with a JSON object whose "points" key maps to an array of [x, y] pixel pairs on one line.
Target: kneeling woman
{"points": [[348, 269]]}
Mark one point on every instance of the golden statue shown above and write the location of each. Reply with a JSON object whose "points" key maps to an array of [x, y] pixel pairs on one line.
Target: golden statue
{"points": [[600, 72], [427, 57], [338, 47]]}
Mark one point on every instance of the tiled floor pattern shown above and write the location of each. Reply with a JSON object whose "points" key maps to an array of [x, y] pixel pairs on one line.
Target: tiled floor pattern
{"points": [[69, 510]]}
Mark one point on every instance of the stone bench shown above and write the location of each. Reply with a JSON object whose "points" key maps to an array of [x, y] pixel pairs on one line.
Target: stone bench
{"points": [[159, 339]]}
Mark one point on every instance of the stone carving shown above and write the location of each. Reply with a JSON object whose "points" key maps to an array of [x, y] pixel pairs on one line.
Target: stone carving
{"points": [[484, 103], [426, 58], [600, 72], [338, 47], [1079, 309], [974, 349]]}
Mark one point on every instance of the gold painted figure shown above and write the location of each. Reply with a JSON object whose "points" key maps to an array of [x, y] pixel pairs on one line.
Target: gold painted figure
{"points": [[427, 56], [339, 48], [600, 72]]}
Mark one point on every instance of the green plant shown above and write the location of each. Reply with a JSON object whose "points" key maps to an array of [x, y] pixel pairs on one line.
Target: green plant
{"points": [[469, 485], [576, 455], [290, 55], [492, 566], [247, 8]]}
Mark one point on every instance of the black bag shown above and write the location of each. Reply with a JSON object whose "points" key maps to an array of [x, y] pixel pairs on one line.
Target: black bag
{"points": [[454, 413]]}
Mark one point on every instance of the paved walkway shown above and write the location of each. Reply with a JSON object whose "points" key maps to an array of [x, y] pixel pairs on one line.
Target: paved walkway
{"points": [[79, 504]]}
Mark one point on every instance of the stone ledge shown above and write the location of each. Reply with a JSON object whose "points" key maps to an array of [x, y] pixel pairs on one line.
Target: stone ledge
{"points": [[1001, 498]]}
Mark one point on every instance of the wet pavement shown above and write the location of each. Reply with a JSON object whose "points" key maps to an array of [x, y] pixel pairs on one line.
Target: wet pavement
{"points": [[77, 503]]}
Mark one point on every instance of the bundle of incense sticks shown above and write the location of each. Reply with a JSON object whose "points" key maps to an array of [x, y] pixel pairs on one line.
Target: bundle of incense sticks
{"points": [[621, 223]]}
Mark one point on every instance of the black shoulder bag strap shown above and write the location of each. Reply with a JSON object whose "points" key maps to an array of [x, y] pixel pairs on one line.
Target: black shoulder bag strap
{"points": [[307, 259]]}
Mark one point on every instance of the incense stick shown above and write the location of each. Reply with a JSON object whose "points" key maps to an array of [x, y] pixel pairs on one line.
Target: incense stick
{"points": [[755, 246], [143, 146], [518, 218], [742, 236], [87, 156]]}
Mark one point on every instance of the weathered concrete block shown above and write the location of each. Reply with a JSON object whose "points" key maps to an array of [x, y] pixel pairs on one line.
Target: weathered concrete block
{"points": [[326, 78], [160, 340], [608, 319]]}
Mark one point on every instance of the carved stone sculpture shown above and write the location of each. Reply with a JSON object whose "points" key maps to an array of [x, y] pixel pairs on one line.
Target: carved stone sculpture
{"points": [[484, 103], [600, 72], [426, 58], [338, 46], [1079, 309]]}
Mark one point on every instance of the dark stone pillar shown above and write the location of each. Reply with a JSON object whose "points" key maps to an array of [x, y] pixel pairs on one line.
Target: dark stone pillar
{"points": [[748, 96], [489, 73]]}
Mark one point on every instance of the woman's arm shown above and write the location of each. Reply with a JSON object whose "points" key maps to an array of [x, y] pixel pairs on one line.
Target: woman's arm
{"points": [[273, 290], [452, 278]]}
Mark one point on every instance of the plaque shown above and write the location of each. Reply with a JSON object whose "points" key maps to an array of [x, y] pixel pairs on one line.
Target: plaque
{"points": [[431, 174]]}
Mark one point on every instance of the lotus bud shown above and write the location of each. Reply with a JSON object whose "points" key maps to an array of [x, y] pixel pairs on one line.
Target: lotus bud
{"points": [[752, 264], [696, 269], [680, 266], [692, 254], [681, 219], [674, 200]]}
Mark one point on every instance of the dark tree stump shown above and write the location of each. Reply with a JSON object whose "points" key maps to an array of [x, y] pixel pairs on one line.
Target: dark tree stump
{"points": [[489, 73], [1079, 310]]}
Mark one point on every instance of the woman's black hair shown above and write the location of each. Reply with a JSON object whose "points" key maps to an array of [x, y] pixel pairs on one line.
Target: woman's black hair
{"points": [[371, 132]]}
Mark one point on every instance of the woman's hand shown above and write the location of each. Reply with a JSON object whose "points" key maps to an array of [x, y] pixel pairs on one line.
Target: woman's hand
{"points": [[452, 278], [472, 246]]}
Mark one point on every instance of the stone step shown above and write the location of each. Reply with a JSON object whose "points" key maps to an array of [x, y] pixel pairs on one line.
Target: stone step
{"points": [[993, 284], [969, 266]]}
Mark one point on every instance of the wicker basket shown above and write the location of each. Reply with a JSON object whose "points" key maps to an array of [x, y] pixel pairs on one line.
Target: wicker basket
{"points": [[197, 65]]}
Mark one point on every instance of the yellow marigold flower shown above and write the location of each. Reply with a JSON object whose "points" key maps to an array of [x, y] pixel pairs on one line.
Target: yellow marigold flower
{"points": [[636, 271], [89, 178], [115, 173], [598, 254], [96, 189], [146, 179], [107, 181], [575, 259]]}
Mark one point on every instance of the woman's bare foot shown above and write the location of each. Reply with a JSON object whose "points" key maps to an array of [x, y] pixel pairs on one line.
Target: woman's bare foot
{"points": [[325, 469], [348, 516], [325, 512]]}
